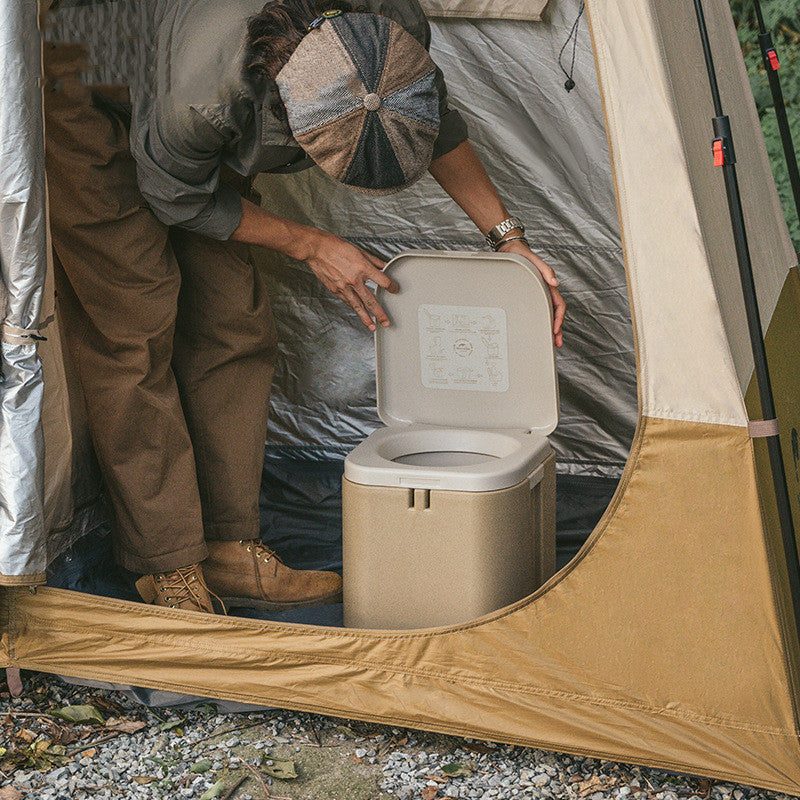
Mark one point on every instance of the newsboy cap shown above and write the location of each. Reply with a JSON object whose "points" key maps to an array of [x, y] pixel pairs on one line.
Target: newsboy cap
{"points": [[361, 100]]}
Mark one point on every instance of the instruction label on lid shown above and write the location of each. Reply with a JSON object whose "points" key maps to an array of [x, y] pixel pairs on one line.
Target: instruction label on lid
{"points": [[463, 347]]}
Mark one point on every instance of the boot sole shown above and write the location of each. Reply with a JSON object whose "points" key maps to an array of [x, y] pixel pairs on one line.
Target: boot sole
{"points": [[278, 605]]}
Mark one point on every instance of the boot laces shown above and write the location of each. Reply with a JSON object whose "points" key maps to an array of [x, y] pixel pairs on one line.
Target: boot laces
{"points": [[260, 549], [180, 586]]}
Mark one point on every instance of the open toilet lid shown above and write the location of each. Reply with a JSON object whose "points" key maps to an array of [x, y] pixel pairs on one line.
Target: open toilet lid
{"points": [[470, 343]]}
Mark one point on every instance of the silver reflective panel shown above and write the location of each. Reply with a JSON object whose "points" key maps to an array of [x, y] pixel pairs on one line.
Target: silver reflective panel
{"points": [[23, 249]]}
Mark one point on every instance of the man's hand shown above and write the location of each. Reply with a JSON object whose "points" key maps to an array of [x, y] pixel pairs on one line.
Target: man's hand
{"points": [[341, 266], [461, 174], [345, 269], [559, 306]]}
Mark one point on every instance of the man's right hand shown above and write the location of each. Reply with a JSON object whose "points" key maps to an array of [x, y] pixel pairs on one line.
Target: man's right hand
{"points": [[344, 269]]}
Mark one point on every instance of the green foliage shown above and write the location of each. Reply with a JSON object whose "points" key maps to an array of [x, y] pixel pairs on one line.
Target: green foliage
{"points": [[782, 18]]}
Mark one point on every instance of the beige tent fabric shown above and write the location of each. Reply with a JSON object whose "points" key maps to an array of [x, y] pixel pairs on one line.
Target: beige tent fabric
{"points": [[770, 246], [485, 9], [645, 648], [685, 367]]}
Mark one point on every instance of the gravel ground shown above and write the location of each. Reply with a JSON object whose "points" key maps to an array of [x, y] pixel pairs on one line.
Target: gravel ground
{"points": [[61, 741]]}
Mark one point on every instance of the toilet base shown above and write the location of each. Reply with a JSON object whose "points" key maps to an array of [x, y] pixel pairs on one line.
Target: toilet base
{"points": [[418, 558]]}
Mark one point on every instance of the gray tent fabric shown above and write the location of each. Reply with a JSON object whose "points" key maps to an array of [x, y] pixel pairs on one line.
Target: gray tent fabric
{"points": [[23, 258], [554, 174]]}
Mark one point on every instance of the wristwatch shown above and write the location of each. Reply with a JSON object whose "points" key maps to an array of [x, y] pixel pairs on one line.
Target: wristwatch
{"points": [[496, 234]]}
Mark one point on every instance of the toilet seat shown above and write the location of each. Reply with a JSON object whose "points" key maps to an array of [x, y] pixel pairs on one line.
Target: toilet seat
{"points": [[470, 343], [510, 457]]}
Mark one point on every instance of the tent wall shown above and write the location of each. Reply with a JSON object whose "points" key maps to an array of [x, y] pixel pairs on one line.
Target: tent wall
{"points": [[770, 246], [23, 249], [485, 9], [783, 355], [685, 367]]}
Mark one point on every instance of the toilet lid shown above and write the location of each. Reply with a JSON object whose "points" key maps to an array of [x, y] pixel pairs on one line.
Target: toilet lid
{"points": [[470, 343]]}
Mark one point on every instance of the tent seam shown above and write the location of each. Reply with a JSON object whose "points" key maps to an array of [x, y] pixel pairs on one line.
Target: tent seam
{"points": [[460, 680]]}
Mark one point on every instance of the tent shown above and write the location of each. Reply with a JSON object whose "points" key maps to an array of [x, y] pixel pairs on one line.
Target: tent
{"points": [[669, 639]]}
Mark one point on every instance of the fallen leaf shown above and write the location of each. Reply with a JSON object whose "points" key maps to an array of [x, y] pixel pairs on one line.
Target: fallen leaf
{"points": [[68, 736], [10, 793], [458, 769], [215, 791], [201, 766], [168, 726], [25, 735], [437, 778], [478, 747], [125, 725], [280, 769], [101, 701], [84, 714], [594, 784], [348, 732], [143, 778], [89, 753], [430, 793]]}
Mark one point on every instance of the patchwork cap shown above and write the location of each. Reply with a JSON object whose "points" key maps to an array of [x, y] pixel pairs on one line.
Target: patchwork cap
{"points": [[361, 100]]}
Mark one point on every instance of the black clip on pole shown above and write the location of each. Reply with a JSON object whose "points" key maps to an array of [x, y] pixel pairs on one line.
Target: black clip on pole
{"points": [[769, 56], [724, 157]]}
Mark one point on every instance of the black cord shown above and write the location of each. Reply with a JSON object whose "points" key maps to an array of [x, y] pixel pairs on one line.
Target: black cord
{"points": [[569, 84]]}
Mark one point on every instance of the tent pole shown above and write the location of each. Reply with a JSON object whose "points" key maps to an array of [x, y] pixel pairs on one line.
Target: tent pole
{"points": [[771, 64], [725, 157]]}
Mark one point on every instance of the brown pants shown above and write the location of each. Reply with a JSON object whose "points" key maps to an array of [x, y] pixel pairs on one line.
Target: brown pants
{"points": [[171, 336]]}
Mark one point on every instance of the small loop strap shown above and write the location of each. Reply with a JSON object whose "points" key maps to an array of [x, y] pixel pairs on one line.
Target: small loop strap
{"points": [[762, 428], [11, 334]]}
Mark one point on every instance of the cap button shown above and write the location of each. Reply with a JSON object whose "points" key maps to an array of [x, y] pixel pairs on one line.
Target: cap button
{"points": [[372, 102]]}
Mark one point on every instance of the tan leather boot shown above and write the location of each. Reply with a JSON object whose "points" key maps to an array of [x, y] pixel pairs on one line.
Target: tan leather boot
{"points": [[249, 574], [182, 588]]}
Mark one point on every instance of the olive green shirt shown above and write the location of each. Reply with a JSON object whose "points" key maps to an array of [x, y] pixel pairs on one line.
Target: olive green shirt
{"points": [[196, 112]]}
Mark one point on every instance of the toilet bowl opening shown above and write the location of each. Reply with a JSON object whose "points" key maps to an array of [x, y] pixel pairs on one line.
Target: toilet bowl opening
{"points": [[444, 458]]}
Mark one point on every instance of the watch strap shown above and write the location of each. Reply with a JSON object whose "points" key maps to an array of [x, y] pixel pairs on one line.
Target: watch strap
{"points": [[495, 235]]}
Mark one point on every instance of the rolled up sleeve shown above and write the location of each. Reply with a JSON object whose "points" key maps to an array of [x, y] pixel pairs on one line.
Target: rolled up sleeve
{"points": [[178, 156], [452, 128]]}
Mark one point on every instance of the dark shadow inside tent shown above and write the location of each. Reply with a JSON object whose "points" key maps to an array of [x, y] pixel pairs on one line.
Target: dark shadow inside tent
{"points": [[301, 518]]}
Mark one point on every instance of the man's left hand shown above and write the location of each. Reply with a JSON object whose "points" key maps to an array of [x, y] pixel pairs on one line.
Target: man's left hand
{"points": [[559, 306]]}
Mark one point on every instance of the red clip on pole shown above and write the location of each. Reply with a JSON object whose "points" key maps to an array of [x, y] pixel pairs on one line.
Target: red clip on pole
{"points": [[773, 59], [719, 153]]}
